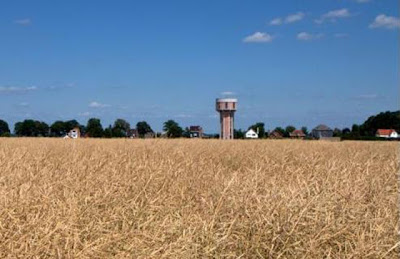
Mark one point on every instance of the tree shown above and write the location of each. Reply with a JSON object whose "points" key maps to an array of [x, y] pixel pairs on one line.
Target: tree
{"points": [[69, 125], [31, 128], [94, 128], [143, 127], [238, 134], [259, 128], [108, 132], [4, 129], [186, 133], [345, 131], [355, 130], [289, 129], [121, 128], [41, 129], [172, 129], [337, 132], [280, 130], [305, 130], [58, 129], [383, 120]]}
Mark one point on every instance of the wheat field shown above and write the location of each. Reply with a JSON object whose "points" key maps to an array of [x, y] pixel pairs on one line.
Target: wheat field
{"points": [[198, 199]]}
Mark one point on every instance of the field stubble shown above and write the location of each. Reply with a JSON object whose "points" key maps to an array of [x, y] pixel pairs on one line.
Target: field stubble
{"points": [[198, 198]]}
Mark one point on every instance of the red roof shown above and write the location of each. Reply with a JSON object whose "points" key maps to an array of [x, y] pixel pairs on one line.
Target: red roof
{"points": [[385, 132], [297, 133]]}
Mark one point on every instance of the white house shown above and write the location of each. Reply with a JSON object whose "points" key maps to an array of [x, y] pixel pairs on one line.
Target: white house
{"points": [[251, 134], [387, 133], [74, 133]]}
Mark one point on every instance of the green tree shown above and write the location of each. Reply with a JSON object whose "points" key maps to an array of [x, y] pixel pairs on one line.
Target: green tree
{"points": [[69, 125], [4, 129], [355, 130], [186, 133], [238, 134], [58, 129], [94, 128], [259, 128], [31, 128], [143, 127], [280, 130], [337, 132], [121, 128], [172, 129], [383, 120], [108, 132], [41, 129], [289, 129], [305, 130]]}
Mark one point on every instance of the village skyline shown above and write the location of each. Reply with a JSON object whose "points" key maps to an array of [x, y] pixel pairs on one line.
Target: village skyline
{"points": [[292, 63]]}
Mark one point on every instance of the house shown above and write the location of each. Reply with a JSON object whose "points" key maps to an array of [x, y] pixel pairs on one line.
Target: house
{"points": [[275, 135], [74, 133], [251, 134], [297, 134], [322, 131], [132, 133], [386, 133], [196, 131]]}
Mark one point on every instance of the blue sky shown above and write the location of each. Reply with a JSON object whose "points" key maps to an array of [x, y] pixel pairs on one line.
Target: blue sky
{"points": [[288, 62]]}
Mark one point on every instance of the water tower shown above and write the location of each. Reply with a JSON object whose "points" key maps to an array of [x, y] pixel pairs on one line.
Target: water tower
{"points": [[226, 108]]}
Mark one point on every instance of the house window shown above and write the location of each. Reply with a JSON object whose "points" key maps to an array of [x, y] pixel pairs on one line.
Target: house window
{"points": [[226, 105], [234, 105]]}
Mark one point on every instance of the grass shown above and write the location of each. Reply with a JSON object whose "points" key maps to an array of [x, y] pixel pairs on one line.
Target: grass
{"points": [[198, 198]]}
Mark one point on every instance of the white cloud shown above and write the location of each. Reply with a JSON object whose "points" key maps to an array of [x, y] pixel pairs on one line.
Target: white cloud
{"points": [[24, 22], [291, 18], [305, 36], [294, 17], [258, 37], [227, 93], [14, 89], [98, 105], [276, 21], [387, 22], [334, 15]]}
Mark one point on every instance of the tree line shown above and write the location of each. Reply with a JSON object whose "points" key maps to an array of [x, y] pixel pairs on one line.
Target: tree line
{"points": [[121, 128], [94, 129]]}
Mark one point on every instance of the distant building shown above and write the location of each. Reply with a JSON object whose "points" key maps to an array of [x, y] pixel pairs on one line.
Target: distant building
{"points": [[386, 133], [74, 133], [196, 132], [297, 134], [251, 134], [132, 133], [275, 135], [322, 131]]}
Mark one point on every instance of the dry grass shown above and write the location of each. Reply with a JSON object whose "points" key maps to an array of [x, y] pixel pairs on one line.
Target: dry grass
{"points": [[197, 199]]}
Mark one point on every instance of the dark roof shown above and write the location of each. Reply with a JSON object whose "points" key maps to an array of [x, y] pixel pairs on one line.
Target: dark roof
{"points": [[195, 128], [322, 127], [275, 134]]}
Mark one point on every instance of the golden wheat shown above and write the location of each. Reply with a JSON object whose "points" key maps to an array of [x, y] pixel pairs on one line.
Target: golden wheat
{"points": [[198, 198]]}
